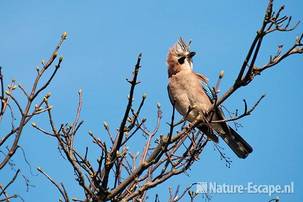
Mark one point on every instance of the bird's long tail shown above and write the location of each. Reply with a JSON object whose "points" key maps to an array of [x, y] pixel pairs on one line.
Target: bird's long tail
{"points": [[239, 146], [208, 132]]}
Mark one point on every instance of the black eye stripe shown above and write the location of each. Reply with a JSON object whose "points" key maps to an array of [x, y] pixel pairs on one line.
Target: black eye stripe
{"points": [[181, 60]]}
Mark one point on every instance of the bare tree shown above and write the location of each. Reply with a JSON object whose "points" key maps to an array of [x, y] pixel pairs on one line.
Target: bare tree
{"points": [[20, 115], [120, 174]]}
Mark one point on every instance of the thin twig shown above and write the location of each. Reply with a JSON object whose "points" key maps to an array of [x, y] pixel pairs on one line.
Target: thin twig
{"points": [[61, 188]]}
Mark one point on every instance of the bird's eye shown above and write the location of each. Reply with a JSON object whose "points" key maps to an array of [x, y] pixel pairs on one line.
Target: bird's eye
{"points": [[181, 60]]}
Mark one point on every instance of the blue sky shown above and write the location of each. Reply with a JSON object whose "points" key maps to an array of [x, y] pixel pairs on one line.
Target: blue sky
{"points": [[104, 39]]}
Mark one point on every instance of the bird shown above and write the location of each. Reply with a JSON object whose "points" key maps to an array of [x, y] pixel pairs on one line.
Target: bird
{"points": [[192, 97]]}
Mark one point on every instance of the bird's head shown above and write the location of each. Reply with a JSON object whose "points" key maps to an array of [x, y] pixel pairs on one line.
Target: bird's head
{"points": [[179, 58]]}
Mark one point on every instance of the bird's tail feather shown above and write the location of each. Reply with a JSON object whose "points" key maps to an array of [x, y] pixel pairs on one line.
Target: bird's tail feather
{"points": [[239, 146], [208, 132]]}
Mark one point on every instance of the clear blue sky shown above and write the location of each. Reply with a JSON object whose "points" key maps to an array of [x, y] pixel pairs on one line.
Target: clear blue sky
{"points": [[104, 39]]}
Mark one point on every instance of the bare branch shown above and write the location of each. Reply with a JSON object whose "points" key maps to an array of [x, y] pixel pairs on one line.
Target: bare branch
{"points": [[118, 141], [246, 112], [60, 187], [34, 93], [248, 66], [10, 182]]}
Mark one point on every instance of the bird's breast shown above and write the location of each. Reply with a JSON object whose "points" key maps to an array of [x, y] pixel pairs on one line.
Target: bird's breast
{"points": [[185, 90]]}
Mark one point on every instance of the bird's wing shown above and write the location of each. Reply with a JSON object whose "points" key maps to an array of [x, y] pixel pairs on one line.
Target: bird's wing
{"points": [[219, 115], [202, 77], [206, 88], [240, 147]]}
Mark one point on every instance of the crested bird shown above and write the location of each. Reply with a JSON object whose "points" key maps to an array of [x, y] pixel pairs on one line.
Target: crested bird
{"points": [[192, 97]]}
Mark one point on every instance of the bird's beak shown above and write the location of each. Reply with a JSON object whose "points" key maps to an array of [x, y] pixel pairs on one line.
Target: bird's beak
{"points": [[191, 54]]}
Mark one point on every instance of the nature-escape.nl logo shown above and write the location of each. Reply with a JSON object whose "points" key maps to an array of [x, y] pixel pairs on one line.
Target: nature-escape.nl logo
{"points": [[250, 188]]}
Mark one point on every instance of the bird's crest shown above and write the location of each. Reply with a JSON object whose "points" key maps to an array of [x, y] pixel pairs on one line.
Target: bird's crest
{"points": [[179, 50], [181, 47]]}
